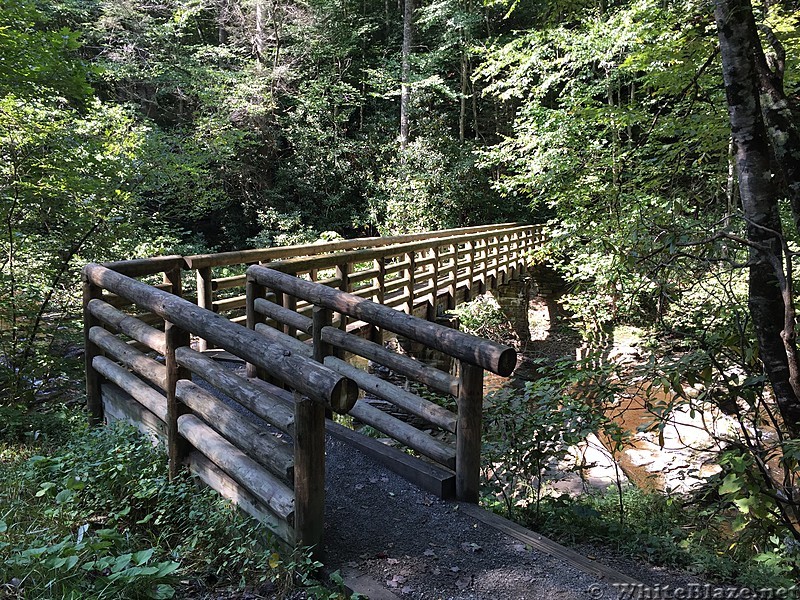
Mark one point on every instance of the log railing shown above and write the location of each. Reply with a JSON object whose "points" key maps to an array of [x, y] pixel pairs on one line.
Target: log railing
{"points": [[474, 355], [278, 481], [218, 293], [415, 273], [145, 360], [418, 276]]}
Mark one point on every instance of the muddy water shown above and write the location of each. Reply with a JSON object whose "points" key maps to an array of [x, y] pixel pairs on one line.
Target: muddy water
{"points": [[646, 460]]}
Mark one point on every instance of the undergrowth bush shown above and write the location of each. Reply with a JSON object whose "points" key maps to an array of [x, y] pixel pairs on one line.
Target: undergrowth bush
{"points": [[529, 431], [662, 529], [484, 318], [97, 517]]}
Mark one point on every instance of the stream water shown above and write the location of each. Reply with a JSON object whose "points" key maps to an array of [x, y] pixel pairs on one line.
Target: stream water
{"points": [[677, 460]]}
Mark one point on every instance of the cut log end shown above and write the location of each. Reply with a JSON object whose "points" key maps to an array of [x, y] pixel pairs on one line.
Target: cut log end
{"points": [[507, 362], [344, 396]]}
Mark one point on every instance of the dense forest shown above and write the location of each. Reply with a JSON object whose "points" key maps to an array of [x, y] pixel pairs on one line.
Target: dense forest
{"points": [[656, 139]]}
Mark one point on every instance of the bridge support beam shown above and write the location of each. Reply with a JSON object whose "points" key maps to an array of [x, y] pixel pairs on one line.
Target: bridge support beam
{"points": [[514, 299]]}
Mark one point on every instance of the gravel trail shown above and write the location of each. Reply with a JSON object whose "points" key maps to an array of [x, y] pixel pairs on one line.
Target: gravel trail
{"points": [[420, 547]]}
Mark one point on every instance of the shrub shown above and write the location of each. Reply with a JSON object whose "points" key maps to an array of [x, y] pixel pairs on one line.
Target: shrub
{"points": [[100, 518]]}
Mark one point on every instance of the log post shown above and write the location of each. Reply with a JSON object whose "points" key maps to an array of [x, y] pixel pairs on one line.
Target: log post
{"points": [[503, 250], [522, 253], [321, 317], [94, 401], [493, 253], [473, 269], [309, 473], [431, 312], [470, 269], [411, 281], [254, 291], [290, 302], [205, 297], [343, 275], [514, 251], [380, 279], [177, 447], [451, 289], [173, 278], [375, 332], [468, 433]]}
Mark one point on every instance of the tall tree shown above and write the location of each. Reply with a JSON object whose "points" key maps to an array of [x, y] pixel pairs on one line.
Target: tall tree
{"points": [[770, 290], [405, 77]]}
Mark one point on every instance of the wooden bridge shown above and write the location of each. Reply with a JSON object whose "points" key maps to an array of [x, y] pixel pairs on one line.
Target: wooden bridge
{"points": [[150, 360]]}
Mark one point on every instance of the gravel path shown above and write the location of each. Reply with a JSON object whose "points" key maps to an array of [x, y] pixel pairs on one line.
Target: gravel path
{"points": [[420, 547]]}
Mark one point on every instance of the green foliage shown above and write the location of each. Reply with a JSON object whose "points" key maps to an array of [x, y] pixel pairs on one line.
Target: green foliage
{"points": [[98, 559], [38, 60], [92, 513], [484, 318], [99, 518], [714, 370], [618, 140], [64, 197], [298, 569], [436, 184], [20, 425], [529, 431], [666, 531]]}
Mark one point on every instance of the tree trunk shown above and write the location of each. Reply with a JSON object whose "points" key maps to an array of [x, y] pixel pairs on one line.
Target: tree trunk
{"points": [[405, 90], [259, 36], [768, 286], [462, 112], [222, 16], [778, 118]]}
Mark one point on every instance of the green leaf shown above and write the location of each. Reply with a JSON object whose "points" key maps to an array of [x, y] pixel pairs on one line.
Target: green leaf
{"points": [[121, 562], [162, 591], [44, 488], [730, 485], [166, 568], [75, 483], [71, 562], [141, 557], [744, 504], [64, 496], [54, 563]]}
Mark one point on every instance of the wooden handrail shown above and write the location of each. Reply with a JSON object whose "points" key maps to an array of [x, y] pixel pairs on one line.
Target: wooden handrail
{"points": [[466, 255], [306, 263], [307, 376], [199, 261], [494, 357], [148, 266], [139, 267]]}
